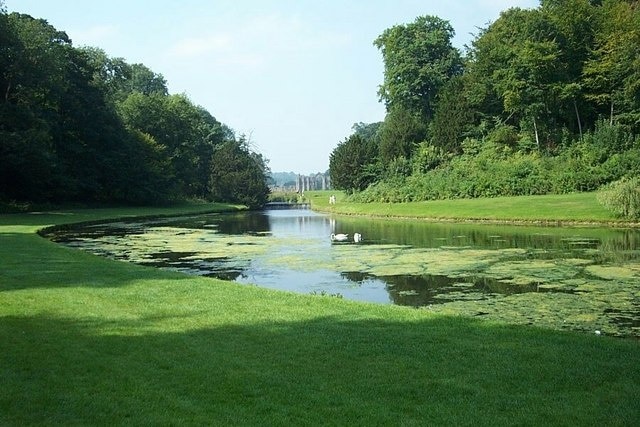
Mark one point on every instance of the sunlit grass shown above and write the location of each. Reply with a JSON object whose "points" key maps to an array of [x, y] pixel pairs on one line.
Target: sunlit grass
{"points": [[88, 341], [577, 207]]}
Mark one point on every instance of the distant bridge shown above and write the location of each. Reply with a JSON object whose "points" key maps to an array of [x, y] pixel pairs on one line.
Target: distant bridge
{"points": [[286, 205]]}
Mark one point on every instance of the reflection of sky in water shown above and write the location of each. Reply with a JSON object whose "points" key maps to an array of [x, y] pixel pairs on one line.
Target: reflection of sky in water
{"points": [[317, 281], [409, 263], [315, 229]]}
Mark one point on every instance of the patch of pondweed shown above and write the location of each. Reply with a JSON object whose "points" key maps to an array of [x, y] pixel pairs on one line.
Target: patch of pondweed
{"points": [[462, 278]]}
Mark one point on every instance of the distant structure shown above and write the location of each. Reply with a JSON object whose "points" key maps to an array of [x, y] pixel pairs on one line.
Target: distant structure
{"points": [[319, 181]]}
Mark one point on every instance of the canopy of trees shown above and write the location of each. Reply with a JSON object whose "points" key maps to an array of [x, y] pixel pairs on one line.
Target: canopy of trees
{"points": [[544, 100], [78, 125]]}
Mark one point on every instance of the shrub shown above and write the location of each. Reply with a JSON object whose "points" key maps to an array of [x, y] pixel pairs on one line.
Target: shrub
{"points": [[622, 197], [614, 138], [488, 169], [504, 135], [427, 157], [284, 197]]}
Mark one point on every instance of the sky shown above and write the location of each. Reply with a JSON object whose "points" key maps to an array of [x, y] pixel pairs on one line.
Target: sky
{"points": [[293, 76]]}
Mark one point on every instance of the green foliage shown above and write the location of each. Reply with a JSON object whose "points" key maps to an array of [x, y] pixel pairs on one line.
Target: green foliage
{"points": [[368, 131], [186, 132], [495, 169], [238, 175], [611, 74], [504, 135], [77, 125], [622, 197], [419, 59], [453, 117], [401, 132], [613, 138], [548, 102], [118, 79], [427, 157], [285, 197], [353, 164]]}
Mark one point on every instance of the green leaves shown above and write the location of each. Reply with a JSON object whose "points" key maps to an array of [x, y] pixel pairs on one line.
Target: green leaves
{"points": [[238, 175], [78, 125], [352, 164], [419, 59], [622, 198]]}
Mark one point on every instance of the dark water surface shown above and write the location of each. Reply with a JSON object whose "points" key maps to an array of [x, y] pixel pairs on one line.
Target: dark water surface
{"points": [[575, 278]]}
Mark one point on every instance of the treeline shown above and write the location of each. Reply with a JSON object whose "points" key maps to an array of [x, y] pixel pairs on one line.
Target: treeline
{"points": [[545, 100], [79, 126]]}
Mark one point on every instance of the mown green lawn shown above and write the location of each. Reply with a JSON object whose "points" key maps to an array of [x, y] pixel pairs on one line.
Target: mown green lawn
{"points": [[567, 208], [90, 341]]}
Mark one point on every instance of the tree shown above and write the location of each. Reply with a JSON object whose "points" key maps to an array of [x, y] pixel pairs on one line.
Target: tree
{"points": [[515, 62], [573, 21], [418, 60], [368, 131], [239, 175], [353, 164], [118, 79], [401, 132], [145, 81], [110, 75], [34, 57], [187, 133], [77, 125], [612, 73], [453, 117]]}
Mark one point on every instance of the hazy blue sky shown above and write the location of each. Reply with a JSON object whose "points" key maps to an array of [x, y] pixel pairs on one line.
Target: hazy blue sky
{"points": [[293, 75]]}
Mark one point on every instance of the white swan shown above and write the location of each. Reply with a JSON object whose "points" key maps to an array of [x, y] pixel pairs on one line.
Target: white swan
{"points": [[357, 237], [339, 237]]}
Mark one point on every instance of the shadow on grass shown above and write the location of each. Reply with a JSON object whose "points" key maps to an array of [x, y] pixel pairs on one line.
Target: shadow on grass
{"points": [[325, 371]]}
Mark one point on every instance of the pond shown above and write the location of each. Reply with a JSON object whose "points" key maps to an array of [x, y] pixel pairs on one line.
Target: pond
{"points": [[565, 278]]}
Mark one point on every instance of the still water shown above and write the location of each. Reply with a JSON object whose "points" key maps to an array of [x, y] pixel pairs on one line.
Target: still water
{"points": [[567, 278]]}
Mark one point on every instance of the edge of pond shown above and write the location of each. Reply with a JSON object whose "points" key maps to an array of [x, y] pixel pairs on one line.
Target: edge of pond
{"points": [[48, 229], [491, 221]]}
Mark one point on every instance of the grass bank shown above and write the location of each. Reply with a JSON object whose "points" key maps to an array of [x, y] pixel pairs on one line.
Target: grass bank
{"points": [[88, 341], [551, 209]]}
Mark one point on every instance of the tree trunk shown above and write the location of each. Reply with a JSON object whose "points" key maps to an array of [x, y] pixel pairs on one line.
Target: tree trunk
{"points": [[575, 107], [611, 118], [535, 128]]}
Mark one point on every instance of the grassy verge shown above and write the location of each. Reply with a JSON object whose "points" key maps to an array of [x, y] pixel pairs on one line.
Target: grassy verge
{"points": [[88, 341], [564, 208]]}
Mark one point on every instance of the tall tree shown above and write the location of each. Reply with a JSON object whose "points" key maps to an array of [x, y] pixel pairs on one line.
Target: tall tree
{"points": [[183, 129], [418, 60], [401, 132], [33, 80], [574, 22], [239, 175], [516, 62], [453, 118], [368, 131], [146, 81], [76, 124], [352, 164], [612, 73], [118, 79]]}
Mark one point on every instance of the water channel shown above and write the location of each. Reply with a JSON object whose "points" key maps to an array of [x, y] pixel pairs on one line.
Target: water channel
{"points": [[565, 278]]}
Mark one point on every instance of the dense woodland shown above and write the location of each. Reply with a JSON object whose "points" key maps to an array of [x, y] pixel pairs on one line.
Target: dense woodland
{"points": [[79, 126], [545, 100]]}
